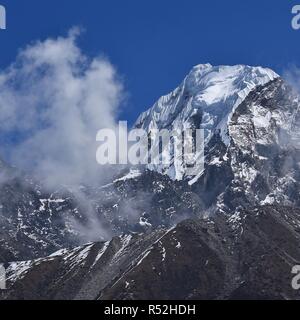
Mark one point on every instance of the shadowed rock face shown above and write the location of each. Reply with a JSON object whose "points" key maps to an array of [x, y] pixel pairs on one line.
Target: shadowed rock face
{"points": [[246, 256]]}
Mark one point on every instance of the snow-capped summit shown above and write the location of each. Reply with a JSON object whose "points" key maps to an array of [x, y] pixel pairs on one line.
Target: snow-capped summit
{"points": [[206, 99], [210, 93]]}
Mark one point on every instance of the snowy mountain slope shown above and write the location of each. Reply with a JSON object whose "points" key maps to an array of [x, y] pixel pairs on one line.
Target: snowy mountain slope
{"points": [[144, 201], [82, 272], [35, 222], [246, 256], [252, 131], [207, 99]]}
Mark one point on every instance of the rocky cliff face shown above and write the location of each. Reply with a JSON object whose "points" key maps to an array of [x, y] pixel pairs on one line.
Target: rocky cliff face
{"points": [[261, 163]]}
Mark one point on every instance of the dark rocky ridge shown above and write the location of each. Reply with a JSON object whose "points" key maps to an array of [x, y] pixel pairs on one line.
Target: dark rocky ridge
{"points": [[249, 256]]}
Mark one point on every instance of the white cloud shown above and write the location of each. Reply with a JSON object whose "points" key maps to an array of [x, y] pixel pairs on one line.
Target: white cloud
{"points": [[53, 100], [292, 76]]}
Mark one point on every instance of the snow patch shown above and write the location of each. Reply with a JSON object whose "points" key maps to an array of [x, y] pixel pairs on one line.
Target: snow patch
{"points": [[131, 175]]}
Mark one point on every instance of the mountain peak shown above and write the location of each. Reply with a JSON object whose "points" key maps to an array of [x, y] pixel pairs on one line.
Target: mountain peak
{"points": [[215, 82], [215, 87], [207, 99]]}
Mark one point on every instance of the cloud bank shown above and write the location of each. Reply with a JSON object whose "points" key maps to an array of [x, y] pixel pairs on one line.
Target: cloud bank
{"points": [[53, 100]]}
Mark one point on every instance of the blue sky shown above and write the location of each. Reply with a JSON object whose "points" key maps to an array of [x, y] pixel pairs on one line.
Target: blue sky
{"points": [[155, 43]]}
